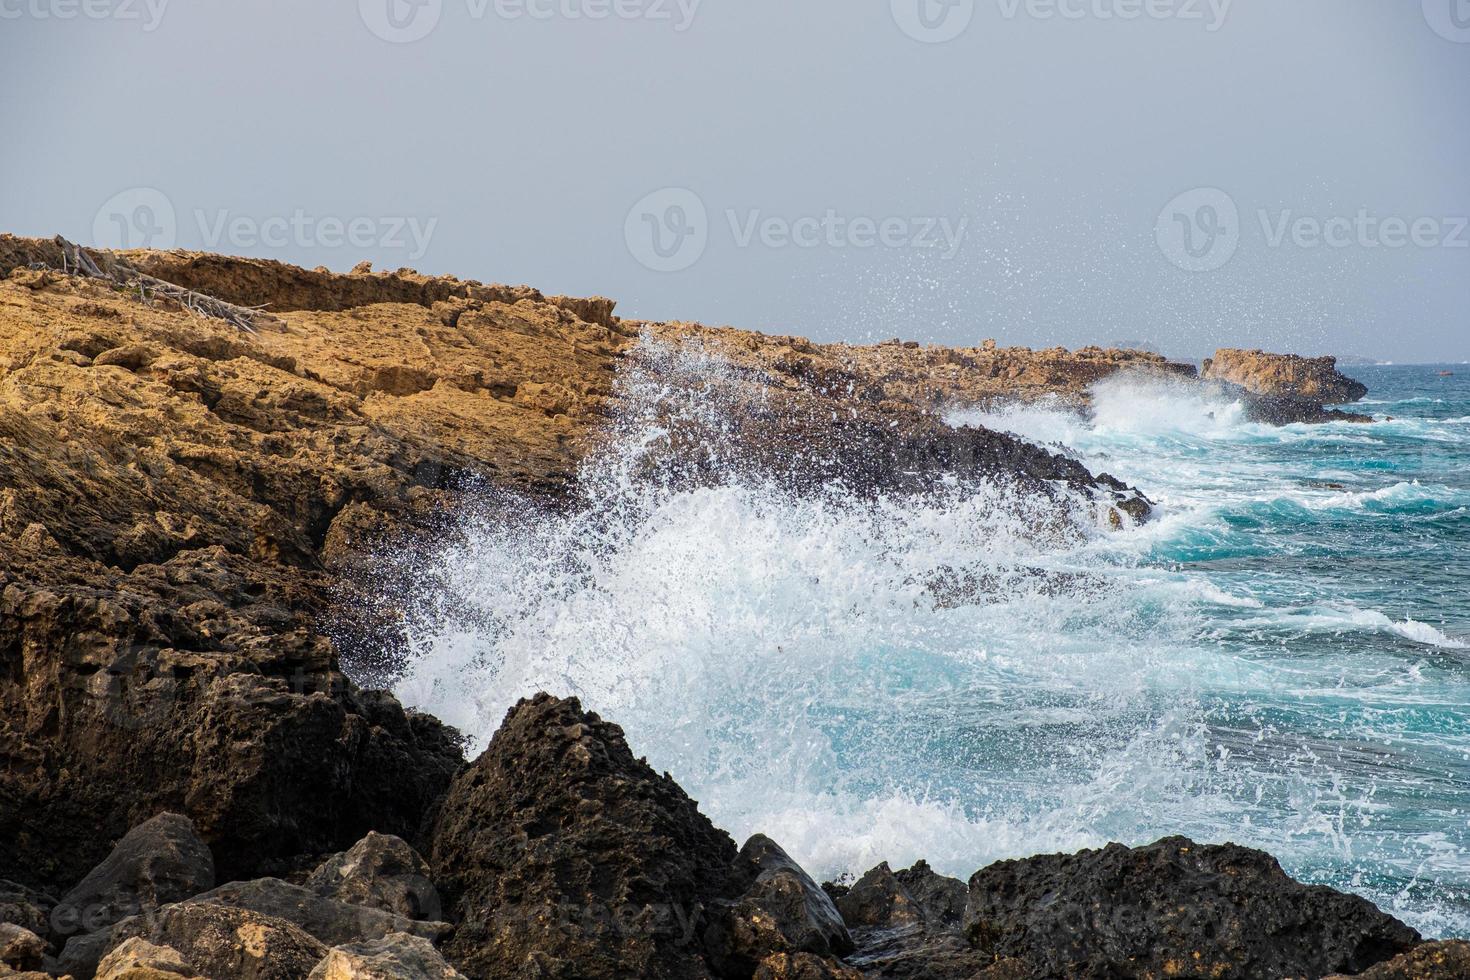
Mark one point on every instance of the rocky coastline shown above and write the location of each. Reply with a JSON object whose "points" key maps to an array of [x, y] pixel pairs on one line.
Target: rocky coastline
{"points": [[193, 786]]}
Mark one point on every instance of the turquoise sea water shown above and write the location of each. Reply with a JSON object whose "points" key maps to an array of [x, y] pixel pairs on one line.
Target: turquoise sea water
{"points": [[1281, 658]]}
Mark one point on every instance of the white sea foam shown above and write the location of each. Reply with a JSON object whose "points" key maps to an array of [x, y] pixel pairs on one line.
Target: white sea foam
{"points": [[919, 677]]}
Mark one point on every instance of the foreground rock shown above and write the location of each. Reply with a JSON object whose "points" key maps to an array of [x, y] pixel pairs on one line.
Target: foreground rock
{"points": [[1173, 908], [563, 856], [20, 949], [398, 956], [780, 910], [382, 872], [138, 959], [908, 926], [158, 862], [1431, 961], [227, 942], [326, 919], [1290, 376]]}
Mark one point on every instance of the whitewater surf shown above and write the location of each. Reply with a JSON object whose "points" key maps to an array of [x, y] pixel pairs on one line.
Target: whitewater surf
{"points": [[1276, 659]]}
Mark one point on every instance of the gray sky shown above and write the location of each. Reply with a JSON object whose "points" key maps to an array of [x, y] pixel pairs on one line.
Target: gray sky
{"points": [[844, 169]]}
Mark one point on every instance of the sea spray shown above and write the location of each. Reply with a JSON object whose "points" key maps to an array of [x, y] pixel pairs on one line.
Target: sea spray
{"points": [[928, 676]]}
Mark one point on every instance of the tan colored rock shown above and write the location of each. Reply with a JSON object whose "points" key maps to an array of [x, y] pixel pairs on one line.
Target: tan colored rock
{"points": [[170, 495], [1284, 375], [397, 956], [228, 942], [20, 949], [138, 959], [925, 378]]}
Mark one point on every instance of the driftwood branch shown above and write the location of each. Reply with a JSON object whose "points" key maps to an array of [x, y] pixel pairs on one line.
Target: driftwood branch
{"points": [[76, 260]]}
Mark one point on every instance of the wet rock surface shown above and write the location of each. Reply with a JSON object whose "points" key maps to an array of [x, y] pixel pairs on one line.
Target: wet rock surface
{"points": [[780, 909], [907, 924], [1431, 961], [1173, 908]]}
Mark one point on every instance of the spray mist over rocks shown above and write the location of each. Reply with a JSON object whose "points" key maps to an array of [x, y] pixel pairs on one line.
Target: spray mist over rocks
{"points": [[962, 675]]}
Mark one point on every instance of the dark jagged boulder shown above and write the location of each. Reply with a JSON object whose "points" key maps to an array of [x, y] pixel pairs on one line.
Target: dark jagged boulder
{"points": [[381, 871], [917, 896], [26, 907], [1289, 410], [194, 687], [561, 855], [1448, 960], [907, 926], [1173, 908], [780, 910], [160, 861], [942, 899]]}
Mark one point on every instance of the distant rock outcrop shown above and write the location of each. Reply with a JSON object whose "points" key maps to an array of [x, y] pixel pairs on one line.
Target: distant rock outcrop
{"points": [[1314, 379]]}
